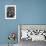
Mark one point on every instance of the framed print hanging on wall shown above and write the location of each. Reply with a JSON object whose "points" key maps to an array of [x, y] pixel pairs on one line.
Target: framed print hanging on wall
{"points": [[10, 11]]}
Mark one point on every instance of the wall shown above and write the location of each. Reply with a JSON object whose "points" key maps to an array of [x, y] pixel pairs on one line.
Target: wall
{"points": [[28, 12]]}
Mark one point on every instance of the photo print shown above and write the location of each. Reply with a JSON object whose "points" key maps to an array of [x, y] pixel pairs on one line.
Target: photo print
{"points": [[10, 11]]}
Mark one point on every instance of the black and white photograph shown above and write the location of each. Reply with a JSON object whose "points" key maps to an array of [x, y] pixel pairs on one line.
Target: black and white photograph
{"points": [[10, 11]]}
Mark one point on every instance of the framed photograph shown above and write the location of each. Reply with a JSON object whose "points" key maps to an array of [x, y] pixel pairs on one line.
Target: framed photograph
{"points": [[10, 11]]}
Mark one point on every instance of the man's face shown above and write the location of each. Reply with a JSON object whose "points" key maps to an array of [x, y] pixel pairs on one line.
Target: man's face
{"points": [[11, 12]]}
